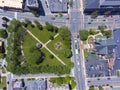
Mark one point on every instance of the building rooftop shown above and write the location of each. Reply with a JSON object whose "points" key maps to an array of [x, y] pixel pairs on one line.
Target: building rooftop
{"points": [[32, 3], [58, 6], [101, 3], [12, 3], [109, 2], [55, 87], [105, 46], [18, 84], [36, 85], [116, 37]]}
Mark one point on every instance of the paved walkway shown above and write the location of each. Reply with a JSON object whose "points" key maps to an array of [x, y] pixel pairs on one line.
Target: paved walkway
{"points": [[46, 47], [51, 40], [93, 36]]}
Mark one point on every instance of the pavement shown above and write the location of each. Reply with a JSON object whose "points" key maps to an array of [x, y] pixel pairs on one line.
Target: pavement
{"points": [[76, 24], [111, 21], [104, 81]]}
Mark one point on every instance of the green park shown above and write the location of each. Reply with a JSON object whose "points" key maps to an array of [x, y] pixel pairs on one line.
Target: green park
{"points": [[36, 48]]}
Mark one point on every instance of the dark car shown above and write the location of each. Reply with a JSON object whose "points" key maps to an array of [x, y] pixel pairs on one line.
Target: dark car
{"points": [[6, 19], [53, 18], [89, 22], [8, 82]]}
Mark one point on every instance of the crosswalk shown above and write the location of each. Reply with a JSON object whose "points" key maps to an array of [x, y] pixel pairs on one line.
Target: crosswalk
{"points": [[15, 15]]}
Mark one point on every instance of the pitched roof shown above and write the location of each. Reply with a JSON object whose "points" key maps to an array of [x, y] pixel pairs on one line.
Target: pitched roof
{"points": [[105, 46]]}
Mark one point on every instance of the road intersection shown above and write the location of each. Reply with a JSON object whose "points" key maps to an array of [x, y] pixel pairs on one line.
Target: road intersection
{"points": [[76, 21]]}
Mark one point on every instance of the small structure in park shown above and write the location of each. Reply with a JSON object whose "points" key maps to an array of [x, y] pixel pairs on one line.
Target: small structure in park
{"points": [[39, 45]]}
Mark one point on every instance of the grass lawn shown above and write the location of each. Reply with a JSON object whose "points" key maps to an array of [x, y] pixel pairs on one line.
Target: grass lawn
{"points": [[30, 42], [42, 35], [48, 60], [59, 52], [118, 73], [86, 53], [3, 70], [3, 82]]}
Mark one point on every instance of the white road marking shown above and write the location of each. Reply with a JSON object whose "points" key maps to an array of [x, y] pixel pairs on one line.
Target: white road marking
{"points": [[15, 15]]}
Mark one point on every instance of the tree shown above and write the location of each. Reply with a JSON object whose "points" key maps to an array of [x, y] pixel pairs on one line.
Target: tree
{"points": [[67, 53], [92, 31], [64, 33], [51, 37], [3, 33], [84, 35], [108, 33], [28, 22], [34, 12], [118, 73], [51, 56], [107, 13], [38, 57], [38, 25], [101, 88], [55, 29], [71, 3], [102, 27], [2, 55], [73, 84], [94, 14], [91, 88], [4, 88], [60, 14], [49, 27]]}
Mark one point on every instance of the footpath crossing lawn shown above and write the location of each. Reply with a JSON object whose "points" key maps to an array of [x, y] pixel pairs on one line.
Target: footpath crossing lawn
{"points": [[42, 35], [30, 42], [59, 51]]}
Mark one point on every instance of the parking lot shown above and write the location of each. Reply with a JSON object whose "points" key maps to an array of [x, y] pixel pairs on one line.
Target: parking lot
{"points": [[116, 36], [96, 67]]}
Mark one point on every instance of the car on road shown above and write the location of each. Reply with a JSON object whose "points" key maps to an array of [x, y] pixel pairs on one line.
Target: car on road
{"points": [[89, 81], [53, 18], [108, 78], [8, 82], [6, 19], [98, 79], [89, 22]]}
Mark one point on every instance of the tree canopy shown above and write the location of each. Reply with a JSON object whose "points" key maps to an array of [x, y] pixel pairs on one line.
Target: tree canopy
{"points": [[84, 35]]}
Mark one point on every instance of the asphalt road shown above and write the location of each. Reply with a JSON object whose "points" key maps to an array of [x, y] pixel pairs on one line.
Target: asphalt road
{"points": [[60, 21], [110, 22], [75, 24], [9, 81], [104, 81]]}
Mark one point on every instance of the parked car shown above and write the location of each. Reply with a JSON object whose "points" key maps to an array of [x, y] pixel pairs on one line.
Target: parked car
{"points": [[6, 19]]}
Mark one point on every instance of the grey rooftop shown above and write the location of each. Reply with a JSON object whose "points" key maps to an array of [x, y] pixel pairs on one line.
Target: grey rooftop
{"points": [[58, 6], [36, 85], [109, 2], [105, 46], [32, 3], [102, 3]]}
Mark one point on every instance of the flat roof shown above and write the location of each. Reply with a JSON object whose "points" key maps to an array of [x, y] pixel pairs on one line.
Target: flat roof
{"points": [[32, 3], [11, 3], [36, 85], [58, 5]]}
